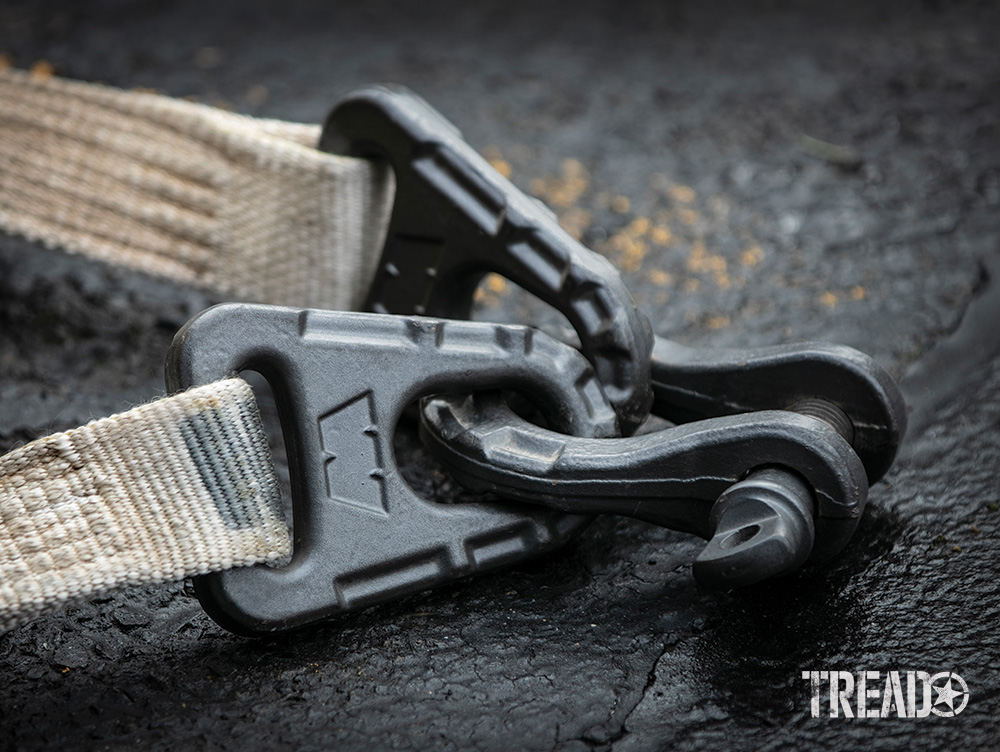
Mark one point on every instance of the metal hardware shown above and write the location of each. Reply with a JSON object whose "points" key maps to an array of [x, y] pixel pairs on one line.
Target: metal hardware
{"points": [[455, 218], [735, 479], [341, 381]]}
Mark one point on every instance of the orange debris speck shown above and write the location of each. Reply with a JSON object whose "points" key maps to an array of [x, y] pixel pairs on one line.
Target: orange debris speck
{"points": [[640, 226], [661, 235], [633, 252], [42, 70], [6, 62], [573, 168], [621, 204], [660, 277], [682, 193], [718, 322], [858, 293], [495, 283], [497, 161], [829, 299], [565, 189], [502, 166], [752, 256], [700, 260]]}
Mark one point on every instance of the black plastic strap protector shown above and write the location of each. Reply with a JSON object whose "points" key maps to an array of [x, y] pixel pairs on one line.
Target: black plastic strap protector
{"points": [[361, 535], [455, 218]]}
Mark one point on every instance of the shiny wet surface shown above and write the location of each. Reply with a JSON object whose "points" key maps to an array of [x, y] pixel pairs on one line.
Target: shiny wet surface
{"points": [[760, 176]]}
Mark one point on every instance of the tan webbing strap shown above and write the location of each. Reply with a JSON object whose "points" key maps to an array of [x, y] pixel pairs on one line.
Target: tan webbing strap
{"points": [[244, 206], [178, 487], [184, 485]]}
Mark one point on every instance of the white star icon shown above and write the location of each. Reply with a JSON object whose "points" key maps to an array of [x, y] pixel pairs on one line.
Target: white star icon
{"points": [[947, 694]]}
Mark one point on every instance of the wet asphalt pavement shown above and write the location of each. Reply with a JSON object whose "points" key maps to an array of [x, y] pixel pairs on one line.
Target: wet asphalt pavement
{"points": [[761, 175]]}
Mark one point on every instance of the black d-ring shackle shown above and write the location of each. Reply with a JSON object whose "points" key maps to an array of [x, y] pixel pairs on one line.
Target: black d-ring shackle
{"points": [[770, 460]]}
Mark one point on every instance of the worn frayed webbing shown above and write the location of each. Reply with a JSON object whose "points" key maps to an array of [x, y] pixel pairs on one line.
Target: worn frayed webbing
{"points": [[177, 189], [178, 487]]}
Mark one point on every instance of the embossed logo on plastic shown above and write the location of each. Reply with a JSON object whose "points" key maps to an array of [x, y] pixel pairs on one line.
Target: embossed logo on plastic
{"points": [[355, 471]]}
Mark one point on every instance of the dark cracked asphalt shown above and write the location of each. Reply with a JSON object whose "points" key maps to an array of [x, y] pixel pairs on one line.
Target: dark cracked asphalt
{"points": [[691, 144]]}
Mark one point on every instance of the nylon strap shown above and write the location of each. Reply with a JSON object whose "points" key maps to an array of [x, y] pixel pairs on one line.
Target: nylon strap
{"points": [[174, 488], [172, 188], [185, 485]]}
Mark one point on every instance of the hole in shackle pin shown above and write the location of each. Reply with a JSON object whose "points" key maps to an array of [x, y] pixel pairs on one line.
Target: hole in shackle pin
{"points": [[764, 527], [740, 537]]}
